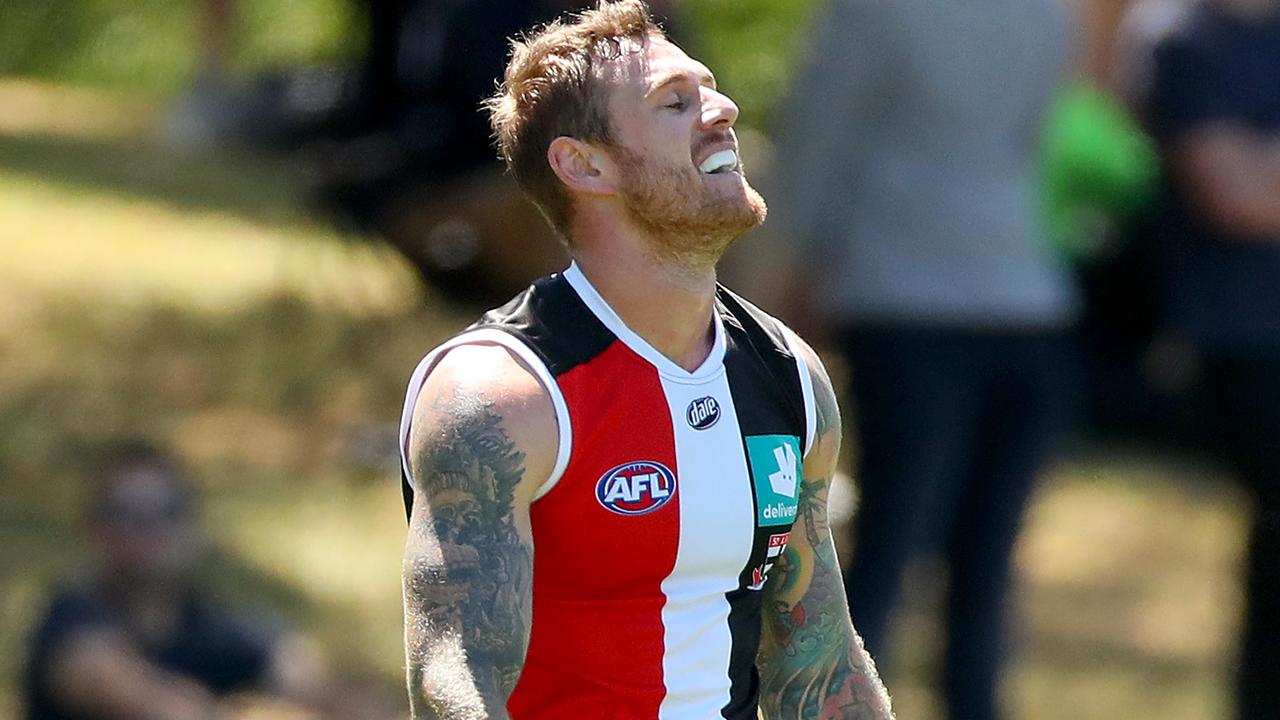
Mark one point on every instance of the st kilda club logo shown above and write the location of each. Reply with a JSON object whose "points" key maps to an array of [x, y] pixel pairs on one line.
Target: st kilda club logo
{"points": [[703, 413], [636, 488]]}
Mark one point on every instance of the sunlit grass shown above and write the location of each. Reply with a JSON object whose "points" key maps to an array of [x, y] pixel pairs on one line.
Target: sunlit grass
{"points": [[1126, 601], [64, 242], [36, 108]]}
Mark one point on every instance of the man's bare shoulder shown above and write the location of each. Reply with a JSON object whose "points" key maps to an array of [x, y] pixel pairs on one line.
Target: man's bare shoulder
{"points": [[479, 387]]}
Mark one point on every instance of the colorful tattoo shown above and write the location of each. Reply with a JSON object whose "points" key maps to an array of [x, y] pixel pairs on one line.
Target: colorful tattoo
{"points": [[813, 665]]}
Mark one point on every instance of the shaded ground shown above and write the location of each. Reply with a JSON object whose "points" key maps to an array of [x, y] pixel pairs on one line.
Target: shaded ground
{"points": [[188, 299]]}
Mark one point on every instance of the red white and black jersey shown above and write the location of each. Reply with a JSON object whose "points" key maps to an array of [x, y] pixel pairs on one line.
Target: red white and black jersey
{"points": [[673, 493]]}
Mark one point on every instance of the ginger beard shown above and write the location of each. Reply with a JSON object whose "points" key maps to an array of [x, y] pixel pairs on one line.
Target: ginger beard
{"points": [[692, 217]]}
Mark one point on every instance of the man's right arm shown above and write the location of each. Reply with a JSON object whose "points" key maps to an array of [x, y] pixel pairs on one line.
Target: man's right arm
{"points": [[483, 439], [1228, 171], [98, 673], [1232, 173]]}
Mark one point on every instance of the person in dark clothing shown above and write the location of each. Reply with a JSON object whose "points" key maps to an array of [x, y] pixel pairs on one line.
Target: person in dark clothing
{"points": [[137, 638], [1211, 99], [217, 653]]}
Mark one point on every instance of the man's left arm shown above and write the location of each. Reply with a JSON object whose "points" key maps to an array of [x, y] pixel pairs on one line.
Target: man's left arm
{"points": [[812, 663]]}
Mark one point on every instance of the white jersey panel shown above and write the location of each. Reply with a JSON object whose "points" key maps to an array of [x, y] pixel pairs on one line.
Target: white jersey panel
{"points": [[717, 524]]}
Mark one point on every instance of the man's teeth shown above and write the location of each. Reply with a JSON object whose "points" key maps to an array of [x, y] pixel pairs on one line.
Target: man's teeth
{"points": [[718, 162]]}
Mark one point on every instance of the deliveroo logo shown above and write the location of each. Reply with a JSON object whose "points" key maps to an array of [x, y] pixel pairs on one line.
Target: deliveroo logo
{"points": [[783, 482], [775, 471]]}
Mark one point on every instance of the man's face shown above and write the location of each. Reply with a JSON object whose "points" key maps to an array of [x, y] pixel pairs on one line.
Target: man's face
{"points": [[144, 529], [680, 175]]}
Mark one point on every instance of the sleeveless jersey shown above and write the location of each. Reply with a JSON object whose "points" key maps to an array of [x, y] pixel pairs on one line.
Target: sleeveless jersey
{"points": [[672, 494]]}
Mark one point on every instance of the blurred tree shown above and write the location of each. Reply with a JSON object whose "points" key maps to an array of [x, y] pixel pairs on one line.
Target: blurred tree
{"points": [[752, 45], [152, 46]]}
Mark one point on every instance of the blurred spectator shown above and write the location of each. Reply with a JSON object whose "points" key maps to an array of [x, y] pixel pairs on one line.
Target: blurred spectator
{"points": [[425, 175], [907, 175], [399, 145], [413, 161], [1210, 95], [140, 639]]}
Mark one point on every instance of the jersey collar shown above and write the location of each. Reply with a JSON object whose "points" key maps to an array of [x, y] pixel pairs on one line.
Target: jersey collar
{"points": [[713, 363]]}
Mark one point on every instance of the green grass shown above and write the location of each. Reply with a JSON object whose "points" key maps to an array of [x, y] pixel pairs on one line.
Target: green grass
{"points": [[189, 299]]}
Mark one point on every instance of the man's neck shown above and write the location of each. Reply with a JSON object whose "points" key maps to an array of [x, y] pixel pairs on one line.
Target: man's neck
{"points": [[667, 304]]}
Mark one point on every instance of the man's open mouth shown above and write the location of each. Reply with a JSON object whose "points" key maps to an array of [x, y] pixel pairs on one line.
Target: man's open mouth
{"points": [[719, 162]]}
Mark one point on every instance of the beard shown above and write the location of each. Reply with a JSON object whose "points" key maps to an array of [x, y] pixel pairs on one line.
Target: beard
{"points": [[690, 221]]}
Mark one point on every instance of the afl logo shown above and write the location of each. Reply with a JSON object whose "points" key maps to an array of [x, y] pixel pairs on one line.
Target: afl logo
{"points": [[636, 488], [703, 413]]}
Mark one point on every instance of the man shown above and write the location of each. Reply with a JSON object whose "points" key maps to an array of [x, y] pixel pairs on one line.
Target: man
{"points": [[137, 640], [618, 481], [1210, 95]]}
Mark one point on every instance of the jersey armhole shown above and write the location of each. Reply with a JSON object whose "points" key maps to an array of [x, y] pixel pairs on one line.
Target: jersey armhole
{"points": [[806, 387], [529, 359]]}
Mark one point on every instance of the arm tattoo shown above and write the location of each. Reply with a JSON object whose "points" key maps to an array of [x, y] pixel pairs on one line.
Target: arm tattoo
{"points": [[468, 573], [813, 665]]}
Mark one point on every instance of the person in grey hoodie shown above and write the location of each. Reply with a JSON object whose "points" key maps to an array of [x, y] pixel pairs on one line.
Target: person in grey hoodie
{"points": [[906, 186]]}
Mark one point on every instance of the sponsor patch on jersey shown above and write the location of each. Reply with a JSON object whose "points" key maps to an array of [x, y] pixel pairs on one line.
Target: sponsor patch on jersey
{"points": [[775, 470], [778, 543], [703, 413], [760, 573], [636, 488]]}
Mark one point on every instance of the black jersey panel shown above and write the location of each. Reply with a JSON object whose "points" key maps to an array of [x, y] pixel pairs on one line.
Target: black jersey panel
{"points": [[551, 319], [762, 370]]}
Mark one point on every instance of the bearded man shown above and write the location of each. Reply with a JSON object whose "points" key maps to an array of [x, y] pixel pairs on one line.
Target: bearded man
{"points": [[617, 482]]}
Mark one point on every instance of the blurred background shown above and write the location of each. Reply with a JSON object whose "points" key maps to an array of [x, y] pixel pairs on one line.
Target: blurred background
{"points": [[231, 229]]}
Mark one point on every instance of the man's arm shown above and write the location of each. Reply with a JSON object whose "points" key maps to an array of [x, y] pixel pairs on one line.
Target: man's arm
{"points": [[1232, 174], [1228, 170], [812, 663], [99, 673], [483, 439]]}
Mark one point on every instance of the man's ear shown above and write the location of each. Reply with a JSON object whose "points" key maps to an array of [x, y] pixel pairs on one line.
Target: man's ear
{"points": [[582, 167]]}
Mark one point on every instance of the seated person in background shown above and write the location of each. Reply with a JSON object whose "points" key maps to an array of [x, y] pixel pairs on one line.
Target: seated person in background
{"points": [[137, 639]]}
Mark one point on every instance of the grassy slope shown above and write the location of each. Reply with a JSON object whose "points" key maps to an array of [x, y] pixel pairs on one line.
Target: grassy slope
{"points": [[268, 351]]}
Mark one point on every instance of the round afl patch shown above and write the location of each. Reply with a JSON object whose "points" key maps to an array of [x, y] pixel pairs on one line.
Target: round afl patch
{"points": [[636, 488]]}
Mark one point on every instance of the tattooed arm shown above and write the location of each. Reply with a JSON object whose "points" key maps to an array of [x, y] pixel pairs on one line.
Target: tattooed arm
{"points": [[812, 663], [483, 439]]}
